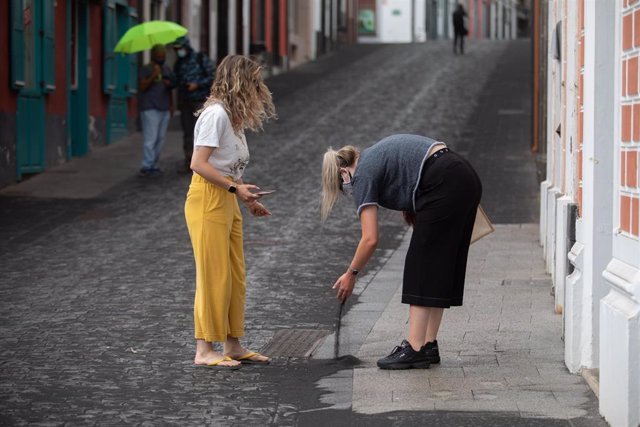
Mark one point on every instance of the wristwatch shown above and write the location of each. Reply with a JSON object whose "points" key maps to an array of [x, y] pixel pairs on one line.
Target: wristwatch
{"points": [[232, 188], [353, 271]]}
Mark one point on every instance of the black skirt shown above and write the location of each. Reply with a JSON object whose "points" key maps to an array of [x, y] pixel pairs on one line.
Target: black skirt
{"points": [[446, 202]]}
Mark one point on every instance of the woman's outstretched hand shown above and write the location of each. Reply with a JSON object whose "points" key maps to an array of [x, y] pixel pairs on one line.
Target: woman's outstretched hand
{"points": [[243, 191], [344, 285], [258, 209]]}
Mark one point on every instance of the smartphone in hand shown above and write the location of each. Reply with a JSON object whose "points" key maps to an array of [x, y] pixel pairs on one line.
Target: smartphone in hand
{"points": [[265, 192]]}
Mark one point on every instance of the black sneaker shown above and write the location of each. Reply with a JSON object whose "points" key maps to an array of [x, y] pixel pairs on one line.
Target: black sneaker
{"points": [[430, 350], [400, 347], [144, 173], [404, 357]]}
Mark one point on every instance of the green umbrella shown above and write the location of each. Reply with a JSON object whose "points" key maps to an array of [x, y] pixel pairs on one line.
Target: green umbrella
{"points": [[144, 36]]}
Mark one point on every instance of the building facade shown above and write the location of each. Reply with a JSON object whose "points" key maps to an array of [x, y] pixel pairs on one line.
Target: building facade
{"points": [[280, 33], [407, 21], [587, 55], [65, 91]]}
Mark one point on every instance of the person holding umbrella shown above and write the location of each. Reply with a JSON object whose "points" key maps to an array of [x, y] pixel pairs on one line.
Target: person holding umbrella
{"points": [[155, 83], [238, 100], [439, 192]]}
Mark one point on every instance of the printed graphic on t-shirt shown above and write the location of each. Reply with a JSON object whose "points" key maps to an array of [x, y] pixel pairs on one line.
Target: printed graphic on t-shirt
{"points": [[238, 167]]}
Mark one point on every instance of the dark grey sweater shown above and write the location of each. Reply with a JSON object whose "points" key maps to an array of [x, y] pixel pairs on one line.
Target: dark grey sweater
{"points": [[388, 172]]}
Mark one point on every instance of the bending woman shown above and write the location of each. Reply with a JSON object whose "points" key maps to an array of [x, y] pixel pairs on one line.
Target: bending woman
{"points": [[239, 100], [438, 191]]}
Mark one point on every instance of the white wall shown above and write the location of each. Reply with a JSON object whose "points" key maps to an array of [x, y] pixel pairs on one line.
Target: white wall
{"points": [[246, 26], [301, 19], [620, 309], [394, 21], [213, 29], [602, 296], [191, 10], [419, 21], [585, 287]]}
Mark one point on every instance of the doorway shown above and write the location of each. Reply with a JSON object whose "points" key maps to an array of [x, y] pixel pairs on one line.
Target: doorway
{"points": [[432, 19], [223, 30], [78, 94], [30, 113], [120, 72]]}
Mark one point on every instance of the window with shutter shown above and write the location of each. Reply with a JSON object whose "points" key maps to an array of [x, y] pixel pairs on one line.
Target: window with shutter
{"points": [[48, 83], [132, 85], [109, 40], [17, 45]]}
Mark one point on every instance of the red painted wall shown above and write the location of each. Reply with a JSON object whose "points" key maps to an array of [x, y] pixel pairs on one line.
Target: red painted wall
{"points": [[268, 26], [8, 97], [628, 186], [97, 101], [57, 100], [254, 20], [132, 111]]}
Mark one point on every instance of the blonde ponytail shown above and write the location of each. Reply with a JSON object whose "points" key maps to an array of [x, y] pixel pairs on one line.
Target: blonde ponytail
{"points": [[331, 164]]}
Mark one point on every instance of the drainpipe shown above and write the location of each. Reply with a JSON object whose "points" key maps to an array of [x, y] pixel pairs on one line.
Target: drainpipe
{"points": [[413, 21], [535, 147], [246, 21]]}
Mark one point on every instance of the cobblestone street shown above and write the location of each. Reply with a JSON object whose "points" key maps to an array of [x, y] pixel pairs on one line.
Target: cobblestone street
{"points": [[97, 294]]}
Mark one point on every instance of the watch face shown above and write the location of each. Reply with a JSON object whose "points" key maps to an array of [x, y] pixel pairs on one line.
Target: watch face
{"points": [[232, 189]]}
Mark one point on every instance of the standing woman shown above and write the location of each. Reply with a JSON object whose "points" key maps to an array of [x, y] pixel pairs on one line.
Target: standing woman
{"points": [[459, 30], [438, 191], [239, 100]]}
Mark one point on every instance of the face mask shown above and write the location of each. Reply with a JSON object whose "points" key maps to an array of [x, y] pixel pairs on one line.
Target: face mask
{"points": [[347, 187], [181, 53], [160, 62]]}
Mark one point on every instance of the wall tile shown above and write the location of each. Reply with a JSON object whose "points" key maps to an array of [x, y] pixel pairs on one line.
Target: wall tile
{"points": [[625, 133], [625, 213]]}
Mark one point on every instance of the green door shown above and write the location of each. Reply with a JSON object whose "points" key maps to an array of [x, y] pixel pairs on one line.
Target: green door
{"points": [[32, 75], [30, 120], [78, 91], [120, 71]]}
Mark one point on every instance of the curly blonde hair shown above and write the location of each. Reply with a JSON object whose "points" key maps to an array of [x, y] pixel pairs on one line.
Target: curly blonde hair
{"points": [[239, 87]]}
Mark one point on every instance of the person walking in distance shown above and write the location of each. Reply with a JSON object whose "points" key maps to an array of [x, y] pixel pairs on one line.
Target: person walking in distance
{"points": [[438, 191], [156, 81], [238, 100], [459, 29], [194, 75]]}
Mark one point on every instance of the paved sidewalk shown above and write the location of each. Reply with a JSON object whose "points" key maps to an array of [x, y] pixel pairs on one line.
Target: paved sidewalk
{"points": [[101, 169], [501, 351]]}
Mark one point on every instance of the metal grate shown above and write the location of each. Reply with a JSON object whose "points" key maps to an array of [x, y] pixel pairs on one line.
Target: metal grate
{"points": [[294, 342]]}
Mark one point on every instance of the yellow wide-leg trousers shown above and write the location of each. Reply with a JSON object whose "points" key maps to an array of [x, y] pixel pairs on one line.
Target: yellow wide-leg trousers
{"points": [[215, 227]]}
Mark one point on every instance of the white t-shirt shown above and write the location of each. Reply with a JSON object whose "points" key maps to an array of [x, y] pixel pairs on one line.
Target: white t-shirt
{"points": [[213, 129]]}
